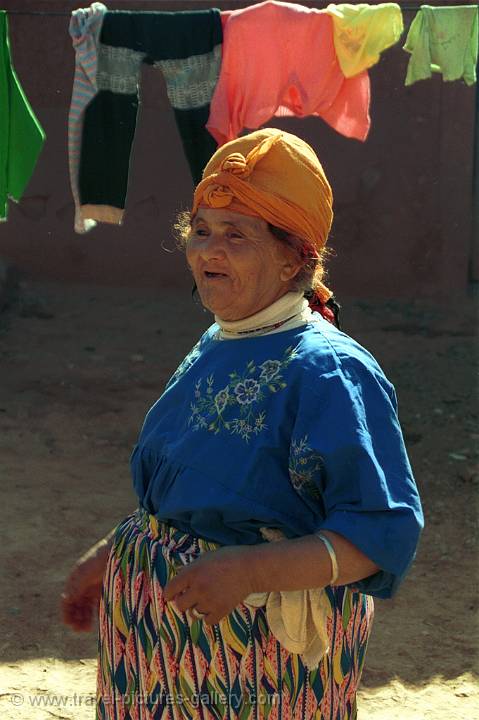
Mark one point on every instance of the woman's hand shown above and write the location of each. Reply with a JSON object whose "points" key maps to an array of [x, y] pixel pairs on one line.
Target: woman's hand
{"points": [[82, 591], [214, 584]]}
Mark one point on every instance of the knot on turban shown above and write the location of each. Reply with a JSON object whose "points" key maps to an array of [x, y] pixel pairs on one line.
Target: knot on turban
{"points": [[237, 164], [217, 196]]}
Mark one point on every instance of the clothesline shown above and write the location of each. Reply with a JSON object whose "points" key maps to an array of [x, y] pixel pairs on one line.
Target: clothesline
{"points": [[67, 13]]}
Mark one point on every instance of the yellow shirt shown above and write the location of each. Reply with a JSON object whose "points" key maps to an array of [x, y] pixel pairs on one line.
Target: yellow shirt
{"points": [[362, 32]]}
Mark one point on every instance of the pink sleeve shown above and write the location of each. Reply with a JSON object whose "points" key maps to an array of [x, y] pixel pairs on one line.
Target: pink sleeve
{"points": [[247, 90], [225, 16], [349, 113], [222, 123]]}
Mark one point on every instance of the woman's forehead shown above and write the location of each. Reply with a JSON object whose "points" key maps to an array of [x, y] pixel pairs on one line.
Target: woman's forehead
{"points": [[221, 216]]}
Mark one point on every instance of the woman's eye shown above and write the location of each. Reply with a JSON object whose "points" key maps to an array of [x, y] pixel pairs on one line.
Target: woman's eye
{"points": [[201, 232], [235, 236]]}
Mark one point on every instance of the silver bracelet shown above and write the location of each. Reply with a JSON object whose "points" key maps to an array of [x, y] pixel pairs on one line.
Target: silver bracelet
{"points": [[332, 557]]}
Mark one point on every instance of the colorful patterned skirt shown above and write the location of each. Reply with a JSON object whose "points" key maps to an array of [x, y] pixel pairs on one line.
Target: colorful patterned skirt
{"points": [[158, 663]]}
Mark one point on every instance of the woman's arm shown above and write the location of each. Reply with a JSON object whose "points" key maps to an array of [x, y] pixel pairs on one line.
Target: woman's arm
{"points": [[304, 562], [216, 582], [102, 548]]}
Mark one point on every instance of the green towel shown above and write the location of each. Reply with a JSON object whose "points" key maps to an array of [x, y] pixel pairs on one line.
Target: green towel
{"points": [[445, 40], [21, 136]]}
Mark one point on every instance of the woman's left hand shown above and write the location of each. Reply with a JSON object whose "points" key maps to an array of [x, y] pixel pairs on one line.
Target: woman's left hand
{"points": [[214, 584]]}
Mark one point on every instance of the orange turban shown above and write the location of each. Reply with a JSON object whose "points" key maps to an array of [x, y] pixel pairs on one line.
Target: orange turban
{"points": [[276, 176]]}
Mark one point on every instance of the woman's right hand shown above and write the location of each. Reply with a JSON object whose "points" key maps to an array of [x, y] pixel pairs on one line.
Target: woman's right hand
{"points": [[81, 595]]}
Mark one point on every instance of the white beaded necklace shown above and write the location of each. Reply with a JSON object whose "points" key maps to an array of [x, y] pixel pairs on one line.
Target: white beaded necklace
{"points": [[261, 330]]}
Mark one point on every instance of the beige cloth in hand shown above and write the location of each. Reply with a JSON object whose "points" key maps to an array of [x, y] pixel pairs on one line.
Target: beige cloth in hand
{"points": [[297, 618]]}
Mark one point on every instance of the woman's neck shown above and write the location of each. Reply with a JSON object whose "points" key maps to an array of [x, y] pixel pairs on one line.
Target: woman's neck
{"points": [[271, 318]]}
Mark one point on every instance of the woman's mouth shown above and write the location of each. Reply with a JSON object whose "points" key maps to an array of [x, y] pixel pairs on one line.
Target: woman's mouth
{"points": [[214, 275]]}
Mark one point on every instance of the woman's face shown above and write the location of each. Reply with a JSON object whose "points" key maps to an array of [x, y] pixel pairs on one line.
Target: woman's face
{"points": [[239, 267]]}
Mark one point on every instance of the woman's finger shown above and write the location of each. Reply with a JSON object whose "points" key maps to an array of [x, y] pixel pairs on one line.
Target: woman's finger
{"points": [[178, 584], [186, 599]]}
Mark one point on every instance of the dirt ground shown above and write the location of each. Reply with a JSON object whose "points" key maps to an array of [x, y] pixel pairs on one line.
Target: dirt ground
{"points": [[78, 369]]}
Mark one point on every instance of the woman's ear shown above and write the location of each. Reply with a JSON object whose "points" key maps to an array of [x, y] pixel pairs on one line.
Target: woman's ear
{"points": [[290, 270], [292, 263]]}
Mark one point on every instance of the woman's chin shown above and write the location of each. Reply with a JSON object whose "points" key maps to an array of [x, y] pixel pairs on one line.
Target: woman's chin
{"points": [[216, 306], [223, 313]]}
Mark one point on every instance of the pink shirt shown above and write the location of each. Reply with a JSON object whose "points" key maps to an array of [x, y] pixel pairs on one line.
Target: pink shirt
{"points": [[279, 59]]}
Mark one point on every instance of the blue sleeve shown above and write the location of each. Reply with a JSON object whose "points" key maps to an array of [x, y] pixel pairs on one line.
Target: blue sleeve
{"points": [[348, 458]]}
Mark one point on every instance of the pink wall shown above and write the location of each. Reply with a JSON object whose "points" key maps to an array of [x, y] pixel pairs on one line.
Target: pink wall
{"points": [[403, 199]]}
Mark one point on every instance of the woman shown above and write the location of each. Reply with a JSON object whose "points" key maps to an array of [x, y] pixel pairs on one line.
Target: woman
{"points": [[276, 426]]}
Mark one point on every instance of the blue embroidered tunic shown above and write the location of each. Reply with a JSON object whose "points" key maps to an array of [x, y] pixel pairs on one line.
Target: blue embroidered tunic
{"points": [[296, 430]]}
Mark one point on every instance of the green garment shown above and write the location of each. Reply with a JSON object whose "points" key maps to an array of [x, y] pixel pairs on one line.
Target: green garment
{"points": [[21, 136], [445, 40]]}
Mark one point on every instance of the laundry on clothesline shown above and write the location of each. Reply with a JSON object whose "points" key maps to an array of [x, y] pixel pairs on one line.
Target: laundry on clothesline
{"points": [[362, 32], [186, 47], [224, 72], [443, 40], [279, 59], [85, 27], [283, 59], [21, 135]]}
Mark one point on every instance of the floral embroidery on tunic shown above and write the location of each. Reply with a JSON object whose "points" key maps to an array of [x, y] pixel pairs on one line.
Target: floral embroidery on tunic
{"points": [[236, 408], [305, 464]]}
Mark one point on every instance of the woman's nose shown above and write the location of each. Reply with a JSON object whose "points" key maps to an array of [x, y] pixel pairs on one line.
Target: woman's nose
{"points": [[212, 247]]}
